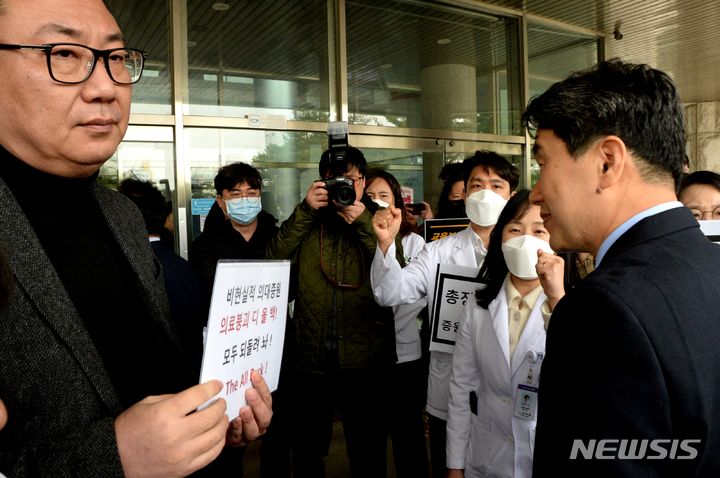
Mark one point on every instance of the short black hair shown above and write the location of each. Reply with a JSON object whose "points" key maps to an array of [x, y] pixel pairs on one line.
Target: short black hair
{"points": [[711, 178], [353, 157], [451, 169], [634, 102], [494, 269], [233, 174], [149, 200], [490, 160]]}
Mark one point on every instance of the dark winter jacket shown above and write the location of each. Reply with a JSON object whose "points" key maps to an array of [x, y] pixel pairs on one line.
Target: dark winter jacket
{"points": [[220, 241], [337, 322]]}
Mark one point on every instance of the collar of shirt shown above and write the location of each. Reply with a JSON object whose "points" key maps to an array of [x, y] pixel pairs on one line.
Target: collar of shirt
{"points": [[623, 228], [514, 297], [478, 244]]}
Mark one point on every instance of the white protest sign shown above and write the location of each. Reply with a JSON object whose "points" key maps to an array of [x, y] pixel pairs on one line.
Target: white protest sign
{"points": [[711, 229], [454, 287], [246, 327]]}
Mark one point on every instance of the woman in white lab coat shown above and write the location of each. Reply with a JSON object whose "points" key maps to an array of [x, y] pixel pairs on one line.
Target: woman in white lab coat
{"points": [[409, 375], [500, 347]]}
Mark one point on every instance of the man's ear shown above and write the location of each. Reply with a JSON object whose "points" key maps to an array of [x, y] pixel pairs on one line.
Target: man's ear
{"points": [[613, 158], [221, 203]]}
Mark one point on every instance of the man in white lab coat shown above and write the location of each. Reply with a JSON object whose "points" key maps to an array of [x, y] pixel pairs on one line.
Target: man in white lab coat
{"points": [[489, 181]]}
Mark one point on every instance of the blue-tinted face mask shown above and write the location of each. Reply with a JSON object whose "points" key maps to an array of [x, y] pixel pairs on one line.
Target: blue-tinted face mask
{"points": [[243, 210]]}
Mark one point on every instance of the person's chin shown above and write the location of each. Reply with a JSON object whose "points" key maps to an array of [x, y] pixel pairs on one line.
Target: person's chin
{"points": [[559, 244], [88, 159], [95, 143]]}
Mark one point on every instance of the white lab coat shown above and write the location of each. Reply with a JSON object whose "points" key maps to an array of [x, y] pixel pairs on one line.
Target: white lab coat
{"points": [[393, 285], [493, 442], [407, 335]]}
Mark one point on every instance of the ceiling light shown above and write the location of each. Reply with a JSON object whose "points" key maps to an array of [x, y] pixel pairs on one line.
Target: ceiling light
{"points": [[220, 6], [443, 41], [386, 66]]}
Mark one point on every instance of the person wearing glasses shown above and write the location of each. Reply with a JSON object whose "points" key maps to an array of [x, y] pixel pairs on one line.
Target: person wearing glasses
{"points": [[490, 180], [238, 227], [341, 344], [91, 370], [700, 192]]}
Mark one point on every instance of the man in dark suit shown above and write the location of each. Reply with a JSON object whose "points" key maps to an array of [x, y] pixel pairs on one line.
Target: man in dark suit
{"points": [[630, 385], [188, 303], [91, 370]]}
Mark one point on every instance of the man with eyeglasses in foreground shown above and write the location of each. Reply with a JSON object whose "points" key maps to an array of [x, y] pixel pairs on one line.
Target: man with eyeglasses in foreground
{"points": [[341, 344], [91, 371]]}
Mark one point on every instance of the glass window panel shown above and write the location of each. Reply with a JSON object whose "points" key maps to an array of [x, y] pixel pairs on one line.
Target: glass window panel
{"points": [[259, 58], [418, 65], [405, 164], [145, 26], [287, 161], [552, 55], [415, 162], [146, 161]]}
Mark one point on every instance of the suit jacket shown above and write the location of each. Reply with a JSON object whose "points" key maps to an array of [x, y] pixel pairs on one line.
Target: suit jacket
{"points": [[188, 305], [61, 401], [632, 354]]}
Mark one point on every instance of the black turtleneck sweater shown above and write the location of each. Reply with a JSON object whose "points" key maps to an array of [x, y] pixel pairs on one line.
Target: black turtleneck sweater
{"points": [[98, 278]]}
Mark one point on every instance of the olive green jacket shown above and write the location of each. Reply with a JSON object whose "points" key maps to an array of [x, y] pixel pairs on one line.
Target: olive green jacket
{"points": [[334, 305]]}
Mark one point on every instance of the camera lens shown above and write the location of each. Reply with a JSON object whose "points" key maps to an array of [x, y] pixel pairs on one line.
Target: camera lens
{"points": [[341, 190], [345, 195]]}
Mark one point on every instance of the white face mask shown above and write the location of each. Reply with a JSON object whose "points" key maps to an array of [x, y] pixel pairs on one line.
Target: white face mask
{"points": [[521, 255], [381, 203], [483, 207]]}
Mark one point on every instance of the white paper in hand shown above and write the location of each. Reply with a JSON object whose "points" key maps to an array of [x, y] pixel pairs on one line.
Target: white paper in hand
{"points": [[246, 327]]}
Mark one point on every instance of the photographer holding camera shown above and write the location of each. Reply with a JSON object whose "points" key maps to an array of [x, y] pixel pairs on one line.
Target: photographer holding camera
{"points": [[340, 343]]}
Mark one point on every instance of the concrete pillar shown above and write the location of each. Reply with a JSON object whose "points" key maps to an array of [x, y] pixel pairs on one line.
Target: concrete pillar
{"points": [[449, 92], [449, 97], [449, 101], [703, 135]]}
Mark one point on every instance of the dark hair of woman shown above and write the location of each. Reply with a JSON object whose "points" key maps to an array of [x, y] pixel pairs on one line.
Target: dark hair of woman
{"points": [[377, 173], [447, 209], [494, 269]]}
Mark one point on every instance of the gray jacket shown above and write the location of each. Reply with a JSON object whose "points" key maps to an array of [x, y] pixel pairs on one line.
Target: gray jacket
{"points": [[61, 401]]}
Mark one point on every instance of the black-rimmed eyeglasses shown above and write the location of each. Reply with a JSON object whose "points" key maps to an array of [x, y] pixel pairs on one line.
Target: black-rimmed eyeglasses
{"points": [[71, 63]]}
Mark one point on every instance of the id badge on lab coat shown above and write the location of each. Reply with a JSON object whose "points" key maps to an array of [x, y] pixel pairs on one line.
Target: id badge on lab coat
{"points": [[526, 402]]}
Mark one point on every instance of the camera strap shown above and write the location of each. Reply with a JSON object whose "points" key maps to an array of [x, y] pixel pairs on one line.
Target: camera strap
{"points": [[332, 280]]}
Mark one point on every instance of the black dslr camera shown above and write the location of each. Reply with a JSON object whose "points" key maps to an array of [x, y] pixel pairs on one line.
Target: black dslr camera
{"points": [[339, 188]]}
